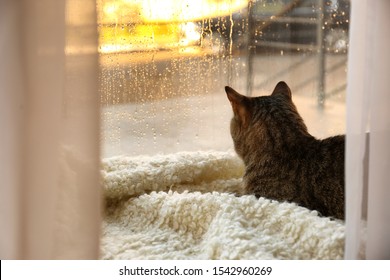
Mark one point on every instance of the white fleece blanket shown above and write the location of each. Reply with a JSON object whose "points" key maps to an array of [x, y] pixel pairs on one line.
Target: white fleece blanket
{"points": [[183, 206]]}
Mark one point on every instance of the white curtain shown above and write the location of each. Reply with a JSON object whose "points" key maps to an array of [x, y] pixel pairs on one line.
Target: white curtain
{"points": [[49, 125], [368, 154]]}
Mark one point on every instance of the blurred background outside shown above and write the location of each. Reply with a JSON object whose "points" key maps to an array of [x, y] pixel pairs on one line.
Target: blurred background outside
{"points": [[164, 65]]}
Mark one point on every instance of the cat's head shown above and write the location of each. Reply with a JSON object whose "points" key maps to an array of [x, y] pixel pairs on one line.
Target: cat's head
{"points": [[264, 122]]}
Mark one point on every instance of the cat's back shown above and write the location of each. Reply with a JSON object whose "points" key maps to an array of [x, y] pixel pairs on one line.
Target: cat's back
{"points": [[326, 156], [322, 176]]}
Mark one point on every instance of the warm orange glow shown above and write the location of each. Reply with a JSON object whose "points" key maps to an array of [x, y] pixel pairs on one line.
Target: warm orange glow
{"points": [[114, 11], [187, 10], [135, 25]]}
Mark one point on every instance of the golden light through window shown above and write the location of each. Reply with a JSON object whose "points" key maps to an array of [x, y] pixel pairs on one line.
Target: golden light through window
{"points": [[135, 25]]}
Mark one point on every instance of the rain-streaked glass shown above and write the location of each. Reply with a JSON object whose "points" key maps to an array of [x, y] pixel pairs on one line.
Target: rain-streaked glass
{"points": [[164, 65]]}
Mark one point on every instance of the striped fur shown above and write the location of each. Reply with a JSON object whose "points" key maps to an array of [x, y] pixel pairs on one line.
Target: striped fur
{"points": [[282, 160]]}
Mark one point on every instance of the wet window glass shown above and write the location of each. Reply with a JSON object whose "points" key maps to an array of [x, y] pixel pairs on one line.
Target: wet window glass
{"points": [[164, 65]]}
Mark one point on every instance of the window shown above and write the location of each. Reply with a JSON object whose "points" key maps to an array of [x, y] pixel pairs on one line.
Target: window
{"points": [[164, 65]]}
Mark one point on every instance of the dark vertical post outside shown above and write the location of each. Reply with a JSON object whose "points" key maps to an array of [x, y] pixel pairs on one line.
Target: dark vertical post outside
{"points": [[321, 54], [250, 50]]}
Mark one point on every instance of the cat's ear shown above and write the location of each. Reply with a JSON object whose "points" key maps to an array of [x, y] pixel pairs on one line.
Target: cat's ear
{"points": [[240, 105], [283, 89]]}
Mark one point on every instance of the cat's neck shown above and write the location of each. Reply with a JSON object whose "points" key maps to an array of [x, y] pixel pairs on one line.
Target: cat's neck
{"points": [[277, 145]]}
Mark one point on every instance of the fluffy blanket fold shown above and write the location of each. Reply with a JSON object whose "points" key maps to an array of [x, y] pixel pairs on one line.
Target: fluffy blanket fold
{"points": [[185, 206]]}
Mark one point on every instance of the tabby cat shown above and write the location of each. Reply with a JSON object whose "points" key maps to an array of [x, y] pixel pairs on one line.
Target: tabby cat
{"points": [[282, 160]]}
